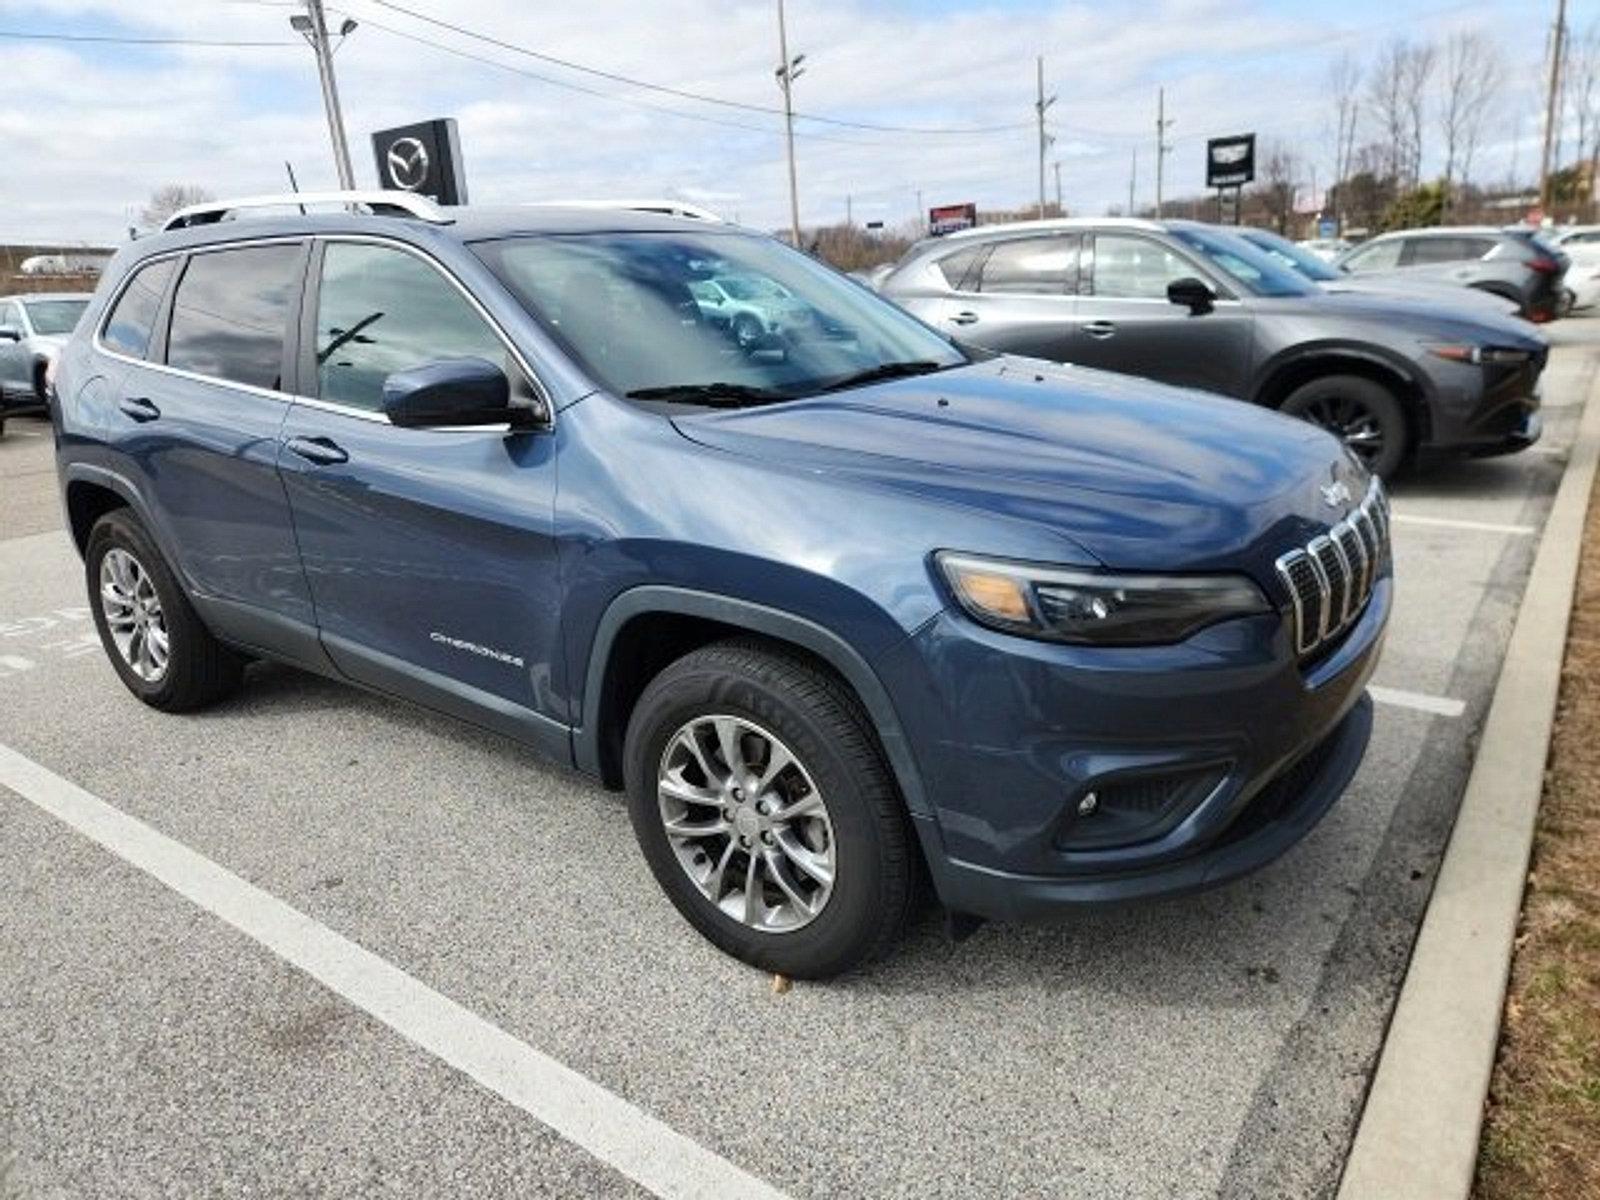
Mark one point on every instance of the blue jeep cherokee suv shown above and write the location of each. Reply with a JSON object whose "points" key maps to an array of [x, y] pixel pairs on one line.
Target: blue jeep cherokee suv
{"points": [[843, 608]]}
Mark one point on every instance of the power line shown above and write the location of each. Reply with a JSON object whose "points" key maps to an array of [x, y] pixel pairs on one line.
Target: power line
{"points": [[681, 93], [120, 40]]}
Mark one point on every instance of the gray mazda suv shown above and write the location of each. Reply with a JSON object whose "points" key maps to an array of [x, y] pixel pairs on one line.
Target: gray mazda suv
{"points": [[1196, 305]]}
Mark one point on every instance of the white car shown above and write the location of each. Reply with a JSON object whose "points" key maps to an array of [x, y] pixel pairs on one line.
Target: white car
{"points": [[1326, 249], [1583, 276], [32, 329]]}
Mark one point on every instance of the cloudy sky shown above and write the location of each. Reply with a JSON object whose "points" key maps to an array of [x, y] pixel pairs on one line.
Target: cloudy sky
{"points": [[90, 128]]}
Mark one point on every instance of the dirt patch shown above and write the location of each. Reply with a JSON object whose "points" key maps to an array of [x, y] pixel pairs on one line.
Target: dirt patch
{"points": [[1541, 1135]]}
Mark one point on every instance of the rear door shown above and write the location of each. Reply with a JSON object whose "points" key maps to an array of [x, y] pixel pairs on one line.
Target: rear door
{"points": [[196, 423], [1127, 324], [1453, 258], [430, 553], [1019, 297]]}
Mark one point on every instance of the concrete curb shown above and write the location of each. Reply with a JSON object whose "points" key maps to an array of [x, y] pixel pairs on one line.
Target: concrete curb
{"points": [[1418, 1136]]}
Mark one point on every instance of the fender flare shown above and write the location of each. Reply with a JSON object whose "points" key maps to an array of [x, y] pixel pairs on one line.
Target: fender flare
{"points": [[756, 618], [113, 481]]}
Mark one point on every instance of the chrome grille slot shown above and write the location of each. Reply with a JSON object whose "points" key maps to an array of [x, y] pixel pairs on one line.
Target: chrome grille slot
{"points": [[1330, 579]]}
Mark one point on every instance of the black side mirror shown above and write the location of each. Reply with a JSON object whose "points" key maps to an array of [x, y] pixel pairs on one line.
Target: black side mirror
{"points": [[1194, 294], [10, 333], [451, 391]]}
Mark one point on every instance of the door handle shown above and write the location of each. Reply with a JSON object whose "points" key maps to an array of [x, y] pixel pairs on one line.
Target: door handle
{"points": [[324, 452], [140, 408], [1100, 329], [966, 317]]}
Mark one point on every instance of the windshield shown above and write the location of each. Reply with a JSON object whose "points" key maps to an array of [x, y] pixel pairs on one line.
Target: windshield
{"points": [[55, 317], [1296, 258], [633, 309], [1252, 268]]}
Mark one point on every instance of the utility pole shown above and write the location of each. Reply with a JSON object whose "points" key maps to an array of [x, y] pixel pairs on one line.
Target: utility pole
{"points": [[849, 211], [313, 26], [922, 215], [1162, 148], [1059, 210], [1040, 105], [1133, 180], [789, 69], [1551, 116]]}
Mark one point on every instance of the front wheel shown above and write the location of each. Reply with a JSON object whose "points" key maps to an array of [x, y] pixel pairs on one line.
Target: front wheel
{"points": [[1362, 413], [766, 812]]}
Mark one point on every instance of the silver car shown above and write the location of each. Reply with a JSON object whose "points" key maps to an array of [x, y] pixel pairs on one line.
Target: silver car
{"points": [[32, 329], [1514, 263]]}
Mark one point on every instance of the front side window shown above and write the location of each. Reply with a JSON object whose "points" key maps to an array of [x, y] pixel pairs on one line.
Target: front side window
{"points": [[1375, 256], [1039, 266], [231, 312], [55, 318], [11, 318], [1135, 268], [128, 328], [382, 310], [627, 307]]}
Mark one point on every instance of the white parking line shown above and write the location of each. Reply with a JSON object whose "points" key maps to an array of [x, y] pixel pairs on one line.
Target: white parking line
{"points": [[1443, 706], [614, 1131], [1454, 523]]}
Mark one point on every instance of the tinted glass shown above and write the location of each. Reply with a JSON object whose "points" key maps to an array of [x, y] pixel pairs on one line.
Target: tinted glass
{"points": [[957, 268], [1374, 256], [1290, 254], [128, 329], [380, 311], [1135, 268], [1041, 266], [55, 317], [230, 314], [1447, 249], [1255, 269], [624, 306], [10, 316]]}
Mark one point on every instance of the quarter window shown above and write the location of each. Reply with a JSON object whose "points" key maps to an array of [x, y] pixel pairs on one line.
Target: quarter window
{"points": [[231, 311], [1041, 266], [957, 268], [1375, 256], [1135, 268], [128, 328], [380, 311]]}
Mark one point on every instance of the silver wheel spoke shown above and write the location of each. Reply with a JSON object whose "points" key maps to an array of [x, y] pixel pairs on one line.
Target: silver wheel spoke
{"points": [[728, 743], [809, 805], [133, 617], [752, 892], [678, 788], [778, 872], [819, 868], [715, 883], [776, 762]]}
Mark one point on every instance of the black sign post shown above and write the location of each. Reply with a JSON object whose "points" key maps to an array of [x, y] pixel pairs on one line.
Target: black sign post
{"points": [[1230, 163], [424, 158]]}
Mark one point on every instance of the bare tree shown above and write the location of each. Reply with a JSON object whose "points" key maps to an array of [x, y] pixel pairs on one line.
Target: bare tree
{"points": [[168, 199], [1419, 65], [1344, 84], [1473, 73], [1583, 94], [1397, 92], [1275, 184]]}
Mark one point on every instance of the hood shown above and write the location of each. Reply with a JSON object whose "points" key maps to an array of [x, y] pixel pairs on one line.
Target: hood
{"points": [[1473, 299], [1139, 475], [1412, 316]]}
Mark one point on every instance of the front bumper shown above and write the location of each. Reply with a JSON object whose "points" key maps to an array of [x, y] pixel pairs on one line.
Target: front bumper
{"points": [[1484, 411], [1245, 748]]}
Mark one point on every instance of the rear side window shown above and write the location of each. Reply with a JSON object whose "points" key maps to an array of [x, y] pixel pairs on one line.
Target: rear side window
{"points": [[1421, 251], [230, 314], [381, 310], [128, 328], [1041, 266]]}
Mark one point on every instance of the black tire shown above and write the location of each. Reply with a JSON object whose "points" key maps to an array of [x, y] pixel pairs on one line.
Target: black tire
{"points": [[199, 669], [41, 390], [1363, 413], [747, 331], [825, 728]]}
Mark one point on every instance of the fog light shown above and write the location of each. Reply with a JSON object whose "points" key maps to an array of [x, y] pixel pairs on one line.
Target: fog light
{"points": [[1088, 804]]}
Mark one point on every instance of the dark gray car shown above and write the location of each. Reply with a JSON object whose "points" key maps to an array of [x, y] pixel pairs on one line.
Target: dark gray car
{"points": [[1195, 305]]}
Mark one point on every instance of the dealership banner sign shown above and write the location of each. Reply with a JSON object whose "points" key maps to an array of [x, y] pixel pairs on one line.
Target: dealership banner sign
{"points": [[1231, 161], [424, 158], [947, 218]]}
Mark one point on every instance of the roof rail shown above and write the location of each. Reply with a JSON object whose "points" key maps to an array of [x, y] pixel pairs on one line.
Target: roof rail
{"points": [[670, 208], [390, 203]]}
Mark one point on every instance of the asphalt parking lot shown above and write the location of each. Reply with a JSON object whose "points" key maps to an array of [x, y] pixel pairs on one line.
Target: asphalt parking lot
{"points": [[1217, 1045]]}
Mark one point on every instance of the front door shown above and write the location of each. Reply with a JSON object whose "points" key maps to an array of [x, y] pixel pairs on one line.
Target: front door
{"points": [[1125, 322], [430, 553], [1019, 298]]}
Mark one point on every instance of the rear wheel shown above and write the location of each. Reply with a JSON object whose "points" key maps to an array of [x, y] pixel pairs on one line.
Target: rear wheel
{"points": [[152, 635], [766, 812], [1362, 413]]}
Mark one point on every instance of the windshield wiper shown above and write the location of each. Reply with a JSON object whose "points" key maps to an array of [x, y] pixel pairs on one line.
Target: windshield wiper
{"points": [[714, 395], [888, 370]]}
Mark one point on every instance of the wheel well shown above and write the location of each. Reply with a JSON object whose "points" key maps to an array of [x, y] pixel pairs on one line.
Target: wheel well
{"points": [[1291, 376], [1503, 290], [644, 647], [86, 504], [40, 366]]}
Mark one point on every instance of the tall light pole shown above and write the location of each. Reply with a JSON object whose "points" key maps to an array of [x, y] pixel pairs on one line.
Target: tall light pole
{"points": [[1040, 106], [1162, 147], [789, 69], [313, 26], [1059, 210], [1552, 113]]}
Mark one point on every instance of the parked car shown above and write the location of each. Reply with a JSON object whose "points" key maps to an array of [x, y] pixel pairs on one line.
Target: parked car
{"points": [[1582, 280], [32, 329], [1332, 279], [1195, 305], [1327, 249], [836, 615], [751, 309], [1515, 263], [1568, 236]]}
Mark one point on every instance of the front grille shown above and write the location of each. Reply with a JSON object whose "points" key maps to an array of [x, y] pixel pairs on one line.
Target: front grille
{"points": [[1330, 579]]}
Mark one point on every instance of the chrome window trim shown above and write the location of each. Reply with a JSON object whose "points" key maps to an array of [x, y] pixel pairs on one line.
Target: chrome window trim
{"points": [[348, 410]]}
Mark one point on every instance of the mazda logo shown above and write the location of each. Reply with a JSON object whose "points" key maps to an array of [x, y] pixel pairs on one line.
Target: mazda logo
{"points": [[408, 163]]}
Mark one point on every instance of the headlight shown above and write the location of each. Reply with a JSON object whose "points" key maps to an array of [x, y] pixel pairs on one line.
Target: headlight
{"points": [[1500, 356], [1095, 607]]}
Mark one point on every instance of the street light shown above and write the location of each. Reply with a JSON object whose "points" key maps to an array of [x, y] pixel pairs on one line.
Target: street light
{"points": [[312, 26]]}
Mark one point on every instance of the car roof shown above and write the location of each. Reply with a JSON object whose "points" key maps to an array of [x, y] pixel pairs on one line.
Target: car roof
{"points": [[1447, 231]]}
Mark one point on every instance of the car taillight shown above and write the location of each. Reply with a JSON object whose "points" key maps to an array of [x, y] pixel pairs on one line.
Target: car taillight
{"points": [[1543, 265]]}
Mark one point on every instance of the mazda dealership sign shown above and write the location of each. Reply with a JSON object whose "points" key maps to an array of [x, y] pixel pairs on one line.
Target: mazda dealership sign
{"points": [[424, 158]]}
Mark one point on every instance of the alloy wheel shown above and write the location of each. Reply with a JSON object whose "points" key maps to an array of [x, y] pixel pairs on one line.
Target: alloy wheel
{"points": [[746, 823], [133, 615], [1351, 421]]}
